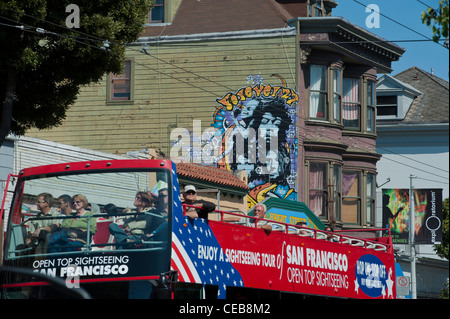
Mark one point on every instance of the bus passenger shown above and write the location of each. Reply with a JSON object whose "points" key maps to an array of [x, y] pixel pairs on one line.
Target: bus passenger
{"points": [[260, 212], [302, 231], [136, 228], [64, 204], [161, 209], [330, 231], [162, 202], [73, 232], [39, 228], [77, 227], [110, 210], [190, 198]]}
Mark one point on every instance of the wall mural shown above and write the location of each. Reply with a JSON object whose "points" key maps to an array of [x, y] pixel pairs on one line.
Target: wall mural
{"points": [[256, 127]]}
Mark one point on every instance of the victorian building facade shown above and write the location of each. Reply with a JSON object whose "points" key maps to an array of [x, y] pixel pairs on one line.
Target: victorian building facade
{"points": [[279, 89]]}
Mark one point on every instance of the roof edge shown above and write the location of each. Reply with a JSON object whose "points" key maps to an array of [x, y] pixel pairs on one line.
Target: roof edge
{"points": [[228, 35], [336, 23]]}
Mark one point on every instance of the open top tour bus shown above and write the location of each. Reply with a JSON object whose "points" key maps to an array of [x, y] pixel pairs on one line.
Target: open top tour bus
{"points": [[180, 257]]}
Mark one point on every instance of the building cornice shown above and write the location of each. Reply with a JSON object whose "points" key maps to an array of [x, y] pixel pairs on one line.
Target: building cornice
{"points": [[231, 35], [339, 35]]}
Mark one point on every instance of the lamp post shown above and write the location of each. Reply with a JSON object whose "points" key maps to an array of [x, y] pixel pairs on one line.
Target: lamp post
{"points": [[412, 226]]}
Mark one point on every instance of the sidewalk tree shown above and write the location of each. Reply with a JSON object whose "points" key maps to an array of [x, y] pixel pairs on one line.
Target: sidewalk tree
{"points": [[438, 20], [44, 61]]}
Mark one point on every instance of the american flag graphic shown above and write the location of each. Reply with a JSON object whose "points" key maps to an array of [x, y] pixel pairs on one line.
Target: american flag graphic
{"points": [[196, 253]]}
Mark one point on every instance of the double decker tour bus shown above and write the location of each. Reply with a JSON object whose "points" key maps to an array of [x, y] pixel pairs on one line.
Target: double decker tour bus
{"points": [[179, 257]]}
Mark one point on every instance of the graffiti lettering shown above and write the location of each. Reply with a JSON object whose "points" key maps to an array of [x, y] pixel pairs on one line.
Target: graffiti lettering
{"points": [[231, 100]]}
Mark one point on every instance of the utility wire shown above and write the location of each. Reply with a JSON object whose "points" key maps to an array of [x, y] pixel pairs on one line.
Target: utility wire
{"points": [[401, 24], [426, 5]]}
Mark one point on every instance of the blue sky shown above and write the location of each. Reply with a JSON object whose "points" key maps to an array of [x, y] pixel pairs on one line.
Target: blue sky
{"points": [[425, 55]]}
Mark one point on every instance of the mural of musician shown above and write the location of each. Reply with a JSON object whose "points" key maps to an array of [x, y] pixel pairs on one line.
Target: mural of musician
{"points": [[257, 129]]}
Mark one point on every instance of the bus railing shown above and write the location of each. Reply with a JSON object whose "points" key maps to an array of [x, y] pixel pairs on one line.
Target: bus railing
{"points": [[377, 243]]}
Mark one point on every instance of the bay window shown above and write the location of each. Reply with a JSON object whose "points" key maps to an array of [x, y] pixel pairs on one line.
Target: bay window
{"points": [[337, 92], [318, 92], [370, 199], [358, 197], [336, 193], [371, 102], [351, 197], [351, 103], [342, 97], [345, 196], [318, 189]]}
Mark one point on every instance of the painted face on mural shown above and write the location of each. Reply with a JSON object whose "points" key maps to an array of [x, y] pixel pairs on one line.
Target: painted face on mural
{"points": [[248, 109], [257, 125], [269, 125]]}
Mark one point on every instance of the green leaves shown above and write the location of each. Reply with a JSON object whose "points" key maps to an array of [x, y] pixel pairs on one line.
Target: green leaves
{"points": [[438, 20], [52, 61]]}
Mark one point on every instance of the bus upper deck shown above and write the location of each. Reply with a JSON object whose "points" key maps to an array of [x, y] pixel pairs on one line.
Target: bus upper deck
{"points": [[198, 257]]}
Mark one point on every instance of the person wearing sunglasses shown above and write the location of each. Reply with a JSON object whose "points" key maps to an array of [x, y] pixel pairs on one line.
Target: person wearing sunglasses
{"points": [[260, 212], [78, 226], [74, 231], [138, 227], [203, 207], [42, 225]]}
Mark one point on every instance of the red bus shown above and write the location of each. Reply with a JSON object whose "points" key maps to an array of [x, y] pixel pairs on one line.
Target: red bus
{"points": [[179, 257]]}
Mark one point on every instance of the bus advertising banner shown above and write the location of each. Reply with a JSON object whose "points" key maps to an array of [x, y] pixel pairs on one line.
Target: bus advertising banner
{"points": [[226, 255], [427, 211]]}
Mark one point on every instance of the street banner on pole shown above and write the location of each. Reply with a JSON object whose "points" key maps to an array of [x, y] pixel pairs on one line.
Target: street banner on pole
{"points": [[428, 215]]}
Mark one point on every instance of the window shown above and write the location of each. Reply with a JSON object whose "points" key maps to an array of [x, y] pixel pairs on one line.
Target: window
{"points": [[387, 105], [370, 199], [313, 8], [351, 201], [318, 189], [337, 92], [337, 191], [156, 15], [121, 84], [318, 92], [371, 106], [351, 103]]}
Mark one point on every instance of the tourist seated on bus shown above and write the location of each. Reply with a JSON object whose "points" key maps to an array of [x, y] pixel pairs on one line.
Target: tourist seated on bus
{"points": [[41, 225], [73, 231], [110, 210], [137, 228], [190, 198], [161, 209], [260, 212], [303, 231], [64, 203], [330, 236]]}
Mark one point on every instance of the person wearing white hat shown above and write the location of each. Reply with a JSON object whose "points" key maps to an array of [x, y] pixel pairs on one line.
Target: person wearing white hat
{"points": [[203, 207]]}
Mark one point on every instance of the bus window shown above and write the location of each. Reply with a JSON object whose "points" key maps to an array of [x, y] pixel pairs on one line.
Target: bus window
{"points": [[85, 212]]}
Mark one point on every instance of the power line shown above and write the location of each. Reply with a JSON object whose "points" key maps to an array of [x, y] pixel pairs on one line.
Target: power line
{"points": [[431, 180], [75, 30], [426, 5], [401, 24]]}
